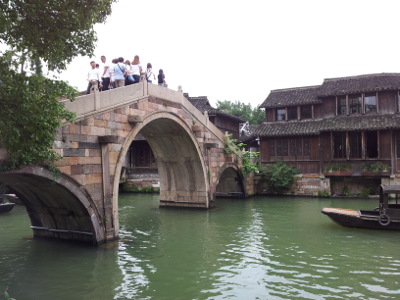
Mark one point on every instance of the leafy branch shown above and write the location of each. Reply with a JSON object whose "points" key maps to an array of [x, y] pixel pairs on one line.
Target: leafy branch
{"points": [[30, 116], [48, 33], [232, 146]]}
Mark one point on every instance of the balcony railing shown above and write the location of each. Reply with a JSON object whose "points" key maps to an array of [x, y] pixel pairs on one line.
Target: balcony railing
{"points": [[357, 168]]}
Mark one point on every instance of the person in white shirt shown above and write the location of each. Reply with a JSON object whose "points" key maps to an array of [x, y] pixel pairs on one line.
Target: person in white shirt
{"points": [[136, 68], [93, 78], [149, 73], [112, 66], [105, 74], [128, 73]]}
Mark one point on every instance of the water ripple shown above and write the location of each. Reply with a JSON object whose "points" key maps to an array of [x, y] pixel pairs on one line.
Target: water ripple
{"points": [[261, 248]]}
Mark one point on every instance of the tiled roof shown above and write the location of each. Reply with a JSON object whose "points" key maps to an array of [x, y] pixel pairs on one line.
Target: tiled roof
{"points": [[361, 83], [335, 124], [332, 87], [292, 128], [202, 104], [291, 97], [361, 123]]}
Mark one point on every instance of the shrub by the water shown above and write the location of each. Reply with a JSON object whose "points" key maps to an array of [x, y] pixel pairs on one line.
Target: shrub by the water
{"points": [[279, 177]]}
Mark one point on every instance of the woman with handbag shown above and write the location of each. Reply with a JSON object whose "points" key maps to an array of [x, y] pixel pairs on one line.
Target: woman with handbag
{"points": [[149, 73], [118, 73], [128, 73]]}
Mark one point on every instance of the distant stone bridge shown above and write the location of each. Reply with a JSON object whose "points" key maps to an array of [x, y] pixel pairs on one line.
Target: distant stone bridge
{"points": [[82, 202]]}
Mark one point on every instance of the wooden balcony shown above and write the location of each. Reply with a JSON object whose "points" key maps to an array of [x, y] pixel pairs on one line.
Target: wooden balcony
{"points": [[370, 168]]}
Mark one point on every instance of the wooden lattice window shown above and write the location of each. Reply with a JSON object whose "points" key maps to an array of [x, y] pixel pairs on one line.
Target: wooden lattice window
{"points": [[292, 113], [370, 103], [282, 147], [371, 144], [299, 147], [272, 148], [306, 147], [355, 144], [355, 104], [292, 147], [398, 146], [305, 112], [339, 144], [341, 106], [280, 114], [278, 148]]}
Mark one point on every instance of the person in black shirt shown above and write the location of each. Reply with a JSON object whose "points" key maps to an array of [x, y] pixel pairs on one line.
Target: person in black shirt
{"points": [[161, 78]]}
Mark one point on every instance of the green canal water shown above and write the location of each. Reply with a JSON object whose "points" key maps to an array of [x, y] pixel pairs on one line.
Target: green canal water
{"points": [[259, 248]]}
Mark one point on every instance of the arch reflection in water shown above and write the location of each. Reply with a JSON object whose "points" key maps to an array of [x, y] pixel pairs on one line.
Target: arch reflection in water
{"points": [[52, 269]]}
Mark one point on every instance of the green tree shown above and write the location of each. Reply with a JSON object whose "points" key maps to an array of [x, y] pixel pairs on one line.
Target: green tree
{"points": [[40, 35], [52, 31], [255, 116]]}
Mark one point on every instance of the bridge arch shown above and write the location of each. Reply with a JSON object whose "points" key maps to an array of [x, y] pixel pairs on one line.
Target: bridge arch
{"points": [[58, 207], [230, 182], [180, 162]]}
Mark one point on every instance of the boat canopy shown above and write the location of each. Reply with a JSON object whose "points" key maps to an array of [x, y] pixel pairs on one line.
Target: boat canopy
{"points": [[389, 189]]}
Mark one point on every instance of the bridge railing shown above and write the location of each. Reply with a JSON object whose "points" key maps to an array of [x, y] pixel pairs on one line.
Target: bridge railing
{"points": [[98, 102]]}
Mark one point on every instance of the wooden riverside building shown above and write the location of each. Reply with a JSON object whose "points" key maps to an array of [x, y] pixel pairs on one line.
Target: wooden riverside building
{"points": [[343, 135], [227, 123]]}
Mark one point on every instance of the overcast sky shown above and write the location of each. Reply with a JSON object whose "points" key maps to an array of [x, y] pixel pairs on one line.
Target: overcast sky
{"points": [[241, 50]]}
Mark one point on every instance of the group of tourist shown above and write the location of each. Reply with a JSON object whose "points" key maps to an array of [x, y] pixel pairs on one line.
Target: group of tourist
{"points": [[120, 73]]}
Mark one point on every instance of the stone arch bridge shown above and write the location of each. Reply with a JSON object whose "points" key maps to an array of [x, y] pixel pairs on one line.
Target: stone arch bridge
{"points": [[82, 202]]}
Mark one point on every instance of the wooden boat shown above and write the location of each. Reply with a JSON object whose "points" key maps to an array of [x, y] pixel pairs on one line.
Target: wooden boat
{"points": [[11, 198], [385, 216], [6, 207]]}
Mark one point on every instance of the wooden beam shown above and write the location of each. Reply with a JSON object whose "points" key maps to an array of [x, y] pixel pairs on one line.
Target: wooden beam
{"points": [[392, 153], [379, 143], [363, 152], [377, 102], [107, 139]]}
